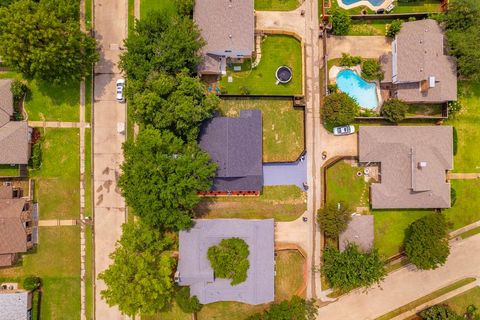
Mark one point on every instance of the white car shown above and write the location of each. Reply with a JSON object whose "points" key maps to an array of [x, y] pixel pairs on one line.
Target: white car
{"points": [[343, 130], [120, 85]]}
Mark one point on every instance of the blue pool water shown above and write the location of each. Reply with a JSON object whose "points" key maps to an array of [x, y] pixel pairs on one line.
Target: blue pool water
{"points": [[364, 92], [373, 2]]}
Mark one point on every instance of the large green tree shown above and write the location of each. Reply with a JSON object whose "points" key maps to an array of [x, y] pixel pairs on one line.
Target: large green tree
{"points": [[139, 281], [394, 110], [295, 309], [339, 109], [341, 22], [352, 268], [43, 40], [229, 260], [334, 218], [161, 177], [426, 241]]}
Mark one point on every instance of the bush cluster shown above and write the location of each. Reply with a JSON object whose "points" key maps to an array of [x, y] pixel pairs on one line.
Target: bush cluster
{"points": [[394, 28], [31, 283], [185, 302], [348, 60], [394, 110], [372, 69]]}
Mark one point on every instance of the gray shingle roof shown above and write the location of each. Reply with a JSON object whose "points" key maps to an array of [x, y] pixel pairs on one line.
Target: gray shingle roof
{"points": [[15, 305], [195, 270], [14, 143], [359, 231], [235, 145], [401, 151]]}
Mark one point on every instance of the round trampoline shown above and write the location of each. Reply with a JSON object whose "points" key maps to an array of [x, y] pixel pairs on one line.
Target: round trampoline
{"points": [[283, 74]]}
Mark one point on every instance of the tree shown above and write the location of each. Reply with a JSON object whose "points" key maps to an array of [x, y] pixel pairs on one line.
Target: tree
{"points": [[162, 176], [139, 281], [43, 40], [426, 241], [439, 312], [341, 22], [229, 260], [185, 302], [185, 7], [339, 109], [394, 28], [18, 89], [161, 43], [352, 268], [295, 309], [31, 283], [334, 218], [372, 69], [394, 110], [348, 60]]}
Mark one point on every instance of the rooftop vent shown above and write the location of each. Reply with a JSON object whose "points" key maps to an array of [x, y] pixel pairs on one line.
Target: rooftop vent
{"points": [[422, 164], [431, 82]]}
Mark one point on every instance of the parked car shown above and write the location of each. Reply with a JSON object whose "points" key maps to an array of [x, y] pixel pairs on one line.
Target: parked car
{"points": [[120, 86], [343, 130]]}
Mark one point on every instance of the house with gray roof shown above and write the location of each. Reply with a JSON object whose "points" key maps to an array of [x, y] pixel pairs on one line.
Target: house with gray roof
{"points": [[413, 163], [235, 145], [14, 135], [194, 268], [418, 70], [360, 231], [15, 305], [228, 28]]}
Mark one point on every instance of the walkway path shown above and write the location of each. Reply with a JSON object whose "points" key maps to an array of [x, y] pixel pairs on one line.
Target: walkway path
{"points": [[62, 124], [110, 21], [57, 223], [462, 176], [406, 284]]}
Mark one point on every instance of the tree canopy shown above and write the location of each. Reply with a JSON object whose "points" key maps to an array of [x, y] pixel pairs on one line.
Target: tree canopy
{"points": [[439, 312], [426, 241], [352, 268], [185, 302], [394, 28], [372, 69], [42, 39], [139, 281], [161, 177], [334, 218], [394, 110], [339, 109], [341, 22], [295, 309], [229, 260]]}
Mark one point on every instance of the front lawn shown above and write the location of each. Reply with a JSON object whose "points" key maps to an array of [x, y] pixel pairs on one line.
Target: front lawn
{"points": [[283, 126], [289, 272], [283, 203], [57, 182], [460, 303], [173, 313], [7, 170], [276, 5], [277, 51], [467, 208], [147, 6], [229, 310]]}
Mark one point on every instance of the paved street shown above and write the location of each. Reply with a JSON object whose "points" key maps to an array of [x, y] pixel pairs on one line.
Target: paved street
{"points": [[406, 285], [109, 206]]}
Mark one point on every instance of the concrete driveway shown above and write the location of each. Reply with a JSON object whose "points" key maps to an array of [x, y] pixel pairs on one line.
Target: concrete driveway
{"points": [[286, 173], [365, 46], [291, 21]]}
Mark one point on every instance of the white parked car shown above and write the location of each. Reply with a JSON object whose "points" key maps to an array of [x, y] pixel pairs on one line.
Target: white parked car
{"points": [[343, 130], [120, 86]]}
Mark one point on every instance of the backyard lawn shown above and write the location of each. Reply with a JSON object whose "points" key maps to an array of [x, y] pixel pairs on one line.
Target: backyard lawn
{"points": [[283, 203], [400, 7], [58, 180], [277, 5], [460, 303], [229, 310], [7, 170], [276, 51], [147, 6], [289, 270], [283, 126], [368, 28], [57, 262]]}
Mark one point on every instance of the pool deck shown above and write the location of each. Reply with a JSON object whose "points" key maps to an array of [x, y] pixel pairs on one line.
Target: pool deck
{"points": [[364, 3]]}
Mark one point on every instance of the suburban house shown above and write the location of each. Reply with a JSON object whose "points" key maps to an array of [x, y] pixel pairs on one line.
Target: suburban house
{"points": [[360, 231], [15, 304], [194, 268], [413, 162], [16, 225], [418, 69], [228, 28], [235, 145], [15, 136]]}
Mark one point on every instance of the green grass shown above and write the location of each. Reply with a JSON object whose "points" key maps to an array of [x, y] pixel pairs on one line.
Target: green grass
{"points": [[229, 311], [289, 274], [283, 126], [88, 169], [58, 180], [417, 6], [460, 303], [276, 5], [368, 28], [390, 226], [343, 184], [467, 208], [283, 203], [88, 14], [147, 6], [8, 170], [426, 298], [57, 262], [88, 273], [470, 233], [467, 123], [174, 313], [424, 110], [88, 98], [276, 51], [131, 15]]}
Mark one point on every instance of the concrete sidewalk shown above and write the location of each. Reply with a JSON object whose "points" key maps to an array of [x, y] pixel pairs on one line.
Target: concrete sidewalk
{"points": [[57, 223], [58, 124], [462, 176]]}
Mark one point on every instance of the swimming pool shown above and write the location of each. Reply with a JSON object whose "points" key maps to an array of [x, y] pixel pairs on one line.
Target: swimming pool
{"points": [[364, 92], [373, 2]]}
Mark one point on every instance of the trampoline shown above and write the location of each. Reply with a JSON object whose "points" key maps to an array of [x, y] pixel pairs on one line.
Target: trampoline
{"points": [[283, 74]]}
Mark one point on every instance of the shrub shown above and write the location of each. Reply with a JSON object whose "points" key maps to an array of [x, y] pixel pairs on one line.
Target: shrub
{"points": [[185, 7], [394, 110], [244, 90], [426, 241], [35, 161], [341, 22], [297, 308], [454, 107], [394, 28], [439, 312], [455, 141], [185, 302], [229, 260], [31, 283], [18, 89], [348, 60], [372, 69], [339, 109], [332, 88], [411, 19], [334, 218], [453, 196]]}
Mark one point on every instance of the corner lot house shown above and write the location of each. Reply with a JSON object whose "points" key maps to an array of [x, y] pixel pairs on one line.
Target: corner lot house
{"points": [[413, 162], [235, 145], [14, 135], [228, 28], [15, 304], [194, 268], [418, 70], [16, 226]]}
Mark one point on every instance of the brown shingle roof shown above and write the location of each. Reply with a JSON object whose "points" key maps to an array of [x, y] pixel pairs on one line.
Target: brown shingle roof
{"points": [[6, 101], [14, 143], [359, 231], [13, 236], [414, 161]]}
